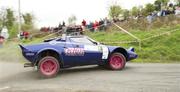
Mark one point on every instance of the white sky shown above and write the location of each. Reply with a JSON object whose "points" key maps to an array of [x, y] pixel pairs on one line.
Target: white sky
{"points": [[51, 12]]}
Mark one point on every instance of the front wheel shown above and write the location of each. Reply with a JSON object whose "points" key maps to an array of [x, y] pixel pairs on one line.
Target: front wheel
{"points": [[48, 66], [117, 61]]}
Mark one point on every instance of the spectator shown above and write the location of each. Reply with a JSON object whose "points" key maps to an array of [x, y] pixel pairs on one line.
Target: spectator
{"points": [[1, 40], [63, 24], [163, 11], [101, 24], [150, 18], [83, 23], [105, 22], [26, 34], [60, 26], [177, 11], [21, 35], [91, 27], [95, 26], [5, 33]]}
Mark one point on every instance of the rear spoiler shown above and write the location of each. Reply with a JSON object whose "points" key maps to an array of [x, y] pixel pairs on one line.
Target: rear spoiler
{"points": [[22, 47]]}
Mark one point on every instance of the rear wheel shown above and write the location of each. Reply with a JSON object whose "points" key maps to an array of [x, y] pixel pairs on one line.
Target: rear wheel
{"points": [[117, 61], [48, 66]]}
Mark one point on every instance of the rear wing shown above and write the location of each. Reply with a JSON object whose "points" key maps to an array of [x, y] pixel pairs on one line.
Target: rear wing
{"points": [[23, 48]]}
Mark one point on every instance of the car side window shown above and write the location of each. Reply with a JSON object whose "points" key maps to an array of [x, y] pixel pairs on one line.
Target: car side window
{"points": [[82, 40]]}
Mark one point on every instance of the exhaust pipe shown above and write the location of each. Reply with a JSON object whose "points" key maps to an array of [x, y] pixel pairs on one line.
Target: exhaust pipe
{"points": [[28, 65]]}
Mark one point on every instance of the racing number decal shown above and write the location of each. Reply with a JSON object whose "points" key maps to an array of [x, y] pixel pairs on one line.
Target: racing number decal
{"points": [[105, 52], [74, 51]]}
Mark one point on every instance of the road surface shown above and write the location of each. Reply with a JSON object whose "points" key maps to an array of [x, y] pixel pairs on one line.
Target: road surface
{"points": [[134, 78]]}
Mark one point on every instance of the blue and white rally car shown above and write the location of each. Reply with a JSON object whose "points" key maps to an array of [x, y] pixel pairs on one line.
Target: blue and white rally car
{"points": [[69, 51]]}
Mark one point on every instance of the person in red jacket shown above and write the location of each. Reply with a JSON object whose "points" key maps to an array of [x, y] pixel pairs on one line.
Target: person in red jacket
{"points": [[1, 40], [26, 35], [83, 23], [96, 25]]}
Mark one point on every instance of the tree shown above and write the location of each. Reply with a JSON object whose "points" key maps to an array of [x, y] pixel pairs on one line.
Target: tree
{"points": [[115, 11], [143, 12], [157, 4], [72, 20], [1, 20], [28, 19], [149, 8], [135, 11], [10, 19], [177, 2], [164, 2], [126, 14]]}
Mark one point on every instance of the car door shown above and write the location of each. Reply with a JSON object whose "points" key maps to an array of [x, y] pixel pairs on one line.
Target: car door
{"points": [[93, 54], [89, 53], [69, 59]]}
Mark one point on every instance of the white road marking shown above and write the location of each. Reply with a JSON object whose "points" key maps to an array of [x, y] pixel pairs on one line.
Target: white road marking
{"points": [[3, 88]]}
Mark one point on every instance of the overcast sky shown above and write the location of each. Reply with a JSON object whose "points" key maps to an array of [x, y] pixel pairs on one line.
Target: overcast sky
{"points": [[51, 12]]}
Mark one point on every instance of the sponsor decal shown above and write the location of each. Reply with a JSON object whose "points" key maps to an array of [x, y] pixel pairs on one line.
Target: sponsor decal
{"points": [[30, 54], [105, 52], [74, 52], [99, 48]]}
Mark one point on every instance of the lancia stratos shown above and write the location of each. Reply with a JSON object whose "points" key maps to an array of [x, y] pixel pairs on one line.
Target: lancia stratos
{"points": [[52, 55]]}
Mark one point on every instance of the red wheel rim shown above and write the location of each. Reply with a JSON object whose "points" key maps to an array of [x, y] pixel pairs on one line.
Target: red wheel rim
{"points": [[116, 61], [49, 67]]}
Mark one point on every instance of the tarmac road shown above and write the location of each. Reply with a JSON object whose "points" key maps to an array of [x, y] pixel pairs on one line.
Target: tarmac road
{"points": [[134, 78]]}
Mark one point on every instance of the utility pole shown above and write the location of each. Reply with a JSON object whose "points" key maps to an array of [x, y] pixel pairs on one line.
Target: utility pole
{"points": [[19, 11]]}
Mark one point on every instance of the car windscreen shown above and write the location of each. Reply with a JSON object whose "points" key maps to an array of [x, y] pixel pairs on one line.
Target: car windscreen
{"points": [[82, 40]]}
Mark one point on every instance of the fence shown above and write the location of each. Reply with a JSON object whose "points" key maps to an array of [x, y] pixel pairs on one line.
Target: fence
{"points": [[138, 40], [158, 53]]}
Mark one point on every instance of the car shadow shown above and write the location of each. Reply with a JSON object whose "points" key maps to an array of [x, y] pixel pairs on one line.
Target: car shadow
{"points": [[82, 69], [88, 69], [33, 75]]}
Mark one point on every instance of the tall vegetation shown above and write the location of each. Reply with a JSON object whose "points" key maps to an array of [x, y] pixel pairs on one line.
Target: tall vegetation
{"points": [[149, 8], [115, 11], [8, 19], [126, 14], [135, 11], [72, 20], [178, 2], [28, 21]]}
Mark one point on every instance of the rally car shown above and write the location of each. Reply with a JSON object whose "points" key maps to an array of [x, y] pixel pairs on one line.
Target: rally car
{"points": [[69, 51]]}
